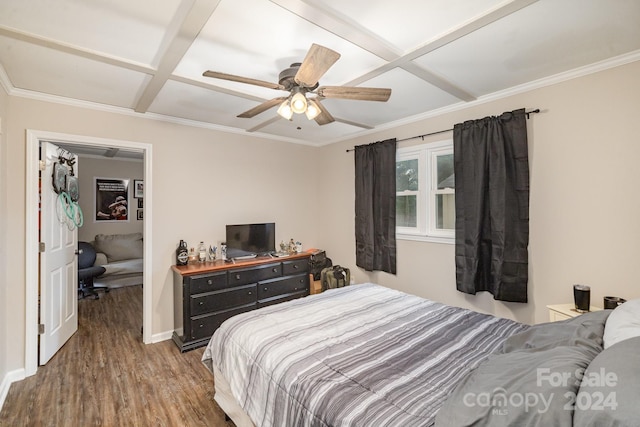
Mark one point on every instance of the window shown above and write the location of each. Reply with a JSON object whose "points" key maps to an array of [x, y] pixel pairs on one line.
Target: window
{"points": [[425, 196]]}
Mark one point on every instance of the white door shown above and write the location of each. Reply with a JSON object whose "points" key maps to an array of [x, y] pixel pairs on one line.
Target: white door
{"points": [[58, 263]]}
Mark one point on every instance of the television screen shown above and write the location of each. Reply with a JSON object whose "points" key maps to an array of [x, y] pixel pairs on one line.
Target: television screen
{"points": [[250, 239]]}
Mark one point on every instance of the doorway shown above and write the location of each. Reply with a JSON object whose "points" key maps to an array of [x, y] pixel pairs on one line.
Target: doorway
{"points": [[34, 138]]}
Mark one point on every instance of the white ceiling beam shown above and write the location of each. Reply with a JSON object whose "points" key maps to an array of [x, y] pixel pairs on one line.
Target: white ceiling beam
{"points": [[195, 19], [492, 15], [74, 50], [265, 123], [355, 33], [362, 37], [341, 26], [352, 123], [209, 86]]}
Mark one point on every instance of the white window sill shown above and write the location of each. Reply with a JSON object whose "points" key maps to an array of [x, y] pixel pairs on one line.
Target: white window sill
{"points": [[431, 239]]}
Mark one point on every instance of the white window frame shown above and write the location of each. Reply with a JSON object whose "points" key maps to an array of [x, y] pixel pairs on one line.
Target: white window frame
{"points": [[425, 229]]}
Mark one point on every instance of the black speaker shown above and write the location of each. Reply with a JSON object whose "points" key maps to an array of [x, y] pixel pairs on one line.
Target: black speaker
{"points": [[582, 297]]}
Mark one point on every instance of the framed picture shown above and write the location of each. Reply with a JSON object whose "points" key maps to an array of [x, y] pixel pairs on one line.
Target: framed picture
{"points": [[111, 199], [140, 203], [138, 188], [140, 217]]}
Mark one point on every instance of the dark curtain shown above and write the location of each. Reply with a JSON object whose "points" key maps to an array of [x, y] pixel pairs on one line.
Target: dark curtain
{"points": [[375, 166], [492, 206]]}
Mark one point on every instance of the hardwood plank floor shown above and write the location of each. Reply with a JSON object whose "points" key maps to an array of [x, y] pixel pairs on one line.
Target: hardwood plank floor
{"points": [[105, 376]]}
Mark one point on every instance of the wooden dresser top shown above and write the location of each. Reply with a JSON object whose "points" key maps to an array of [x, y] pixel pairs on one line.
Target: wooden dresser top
{"points": [[217, 265]]}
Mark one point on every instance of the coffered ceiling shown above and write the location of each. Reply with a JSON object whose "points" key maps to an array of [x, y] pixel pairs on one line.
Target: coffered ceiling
{"points": [[146, 57]]}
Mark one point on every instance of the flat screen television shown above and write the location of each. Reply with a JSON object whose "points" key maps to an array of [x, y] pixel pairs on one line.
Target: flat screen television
{"points": [[247, 240]]}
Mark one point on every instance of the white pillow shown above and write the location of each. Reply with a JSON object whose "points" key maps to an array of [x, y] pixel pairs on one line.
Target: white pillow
{"points": [[623, 323]]}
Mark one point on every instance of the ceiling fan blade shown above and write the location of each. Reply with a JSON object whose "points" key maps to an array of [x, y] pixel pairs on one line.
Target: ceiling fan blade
{"points": [[352, 92], [324, 117], [240, 79], [262, 107], [318, 60]]}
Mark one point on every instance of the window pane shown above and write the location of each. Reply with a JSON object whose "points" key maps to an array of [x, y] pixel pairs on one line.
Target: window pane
{"points": [[445, 171], [445, 211], [406, 214], [407, 175]]}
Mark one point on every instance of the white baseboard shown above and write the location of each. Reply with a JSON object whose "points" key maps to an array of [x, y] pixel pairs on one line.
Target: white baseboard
{"points": [[9, 378], [162, 336]]}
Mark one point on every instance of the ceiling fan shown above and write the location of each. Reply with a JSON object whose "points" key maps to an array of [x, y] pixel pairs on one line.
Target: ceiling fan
{"points": [[300, 79]]}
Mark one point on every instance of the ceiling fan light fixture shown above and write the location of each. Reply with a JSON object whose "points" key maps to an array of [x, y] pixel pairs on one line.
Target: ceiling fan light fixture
{"points": [[299, 103], [285, 110], [312, 110]]}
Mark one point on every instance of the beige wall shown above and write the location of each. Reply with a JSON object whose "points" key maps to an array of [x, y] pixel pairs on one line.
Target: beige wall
{"points": [[584, 151], [90, 168], [5, 320], [203, 180]]}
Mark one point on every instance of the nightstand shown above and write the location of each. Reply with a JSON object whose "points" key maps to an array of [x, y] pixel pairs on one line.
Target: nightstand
{"points": [[315, 285], [565, 311]]}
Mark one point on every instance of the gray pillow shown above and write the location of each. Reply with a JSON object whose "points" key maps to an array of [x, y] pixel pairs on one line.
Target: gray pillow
{"points": [[119, 247], [588, 326], [610, 391], [531, 382]]}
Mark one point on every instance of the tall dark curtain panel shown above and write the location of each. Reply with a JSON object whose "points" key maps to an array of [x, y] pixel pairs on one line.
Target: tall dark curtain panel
{"points": [[376, 206], [492, 206]]}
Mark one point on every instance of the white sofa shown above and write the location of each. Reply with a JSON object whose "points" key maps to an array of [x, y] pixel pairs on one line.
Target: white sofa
{"points": [[121, 256]]}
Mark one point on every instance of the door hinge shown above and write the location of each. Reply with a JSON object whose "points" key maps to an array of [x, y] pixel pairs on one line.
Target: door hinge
{"points": [[41, 246], [41, 328], [42, 165]]}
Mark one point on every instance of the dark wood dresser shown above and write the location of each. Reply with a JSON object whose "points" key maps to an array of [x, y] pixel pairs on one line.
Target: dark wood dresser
{"points": [[206, 294]]}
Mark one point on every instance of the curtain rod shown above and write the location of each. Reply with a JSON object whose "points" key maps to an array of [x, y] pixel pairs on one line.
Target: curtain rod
{"points": [[527, 113]]}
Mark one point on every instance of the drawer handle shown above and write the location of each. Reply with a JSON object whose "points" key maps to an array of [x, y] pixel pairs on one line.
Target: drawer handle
{"points": [[237, 277], [201, 325], [266, 289], [295, 289], [249, 292], [210, 282], [274, 269], [201, 302], [295, 266]]}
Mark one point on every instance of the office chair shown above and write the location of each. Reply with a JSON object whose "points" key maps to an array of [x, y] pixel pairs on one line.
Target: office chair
{"points": [[87, 271]]}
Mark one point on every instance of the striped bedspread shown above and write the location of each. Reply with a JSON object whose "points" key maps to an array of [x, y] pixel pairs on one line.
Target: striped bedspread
{"points": [[362, 355]]}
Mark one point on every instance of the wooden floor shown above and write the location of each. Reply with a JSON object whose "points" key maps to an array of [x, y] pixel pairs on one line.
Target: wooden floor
{"points": [[105, 376]]}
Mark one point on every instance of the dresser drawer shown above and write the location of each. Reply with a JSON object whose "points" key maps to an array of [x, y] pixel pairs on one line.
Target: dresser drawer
{"points": [[207, 282], [244, 276], [288, 285], [205, 326], [221, 300], [295, 267], [281, 298]]}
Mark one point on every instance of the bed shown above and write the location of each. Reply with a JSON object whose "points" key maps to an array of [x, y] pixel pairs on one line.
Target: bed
{"points": [[366, 355]]}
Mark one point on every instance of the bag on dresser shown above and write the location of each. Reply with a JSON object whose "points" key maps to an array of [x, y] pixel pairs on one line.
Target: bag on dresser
{"points": [[335, 277]]}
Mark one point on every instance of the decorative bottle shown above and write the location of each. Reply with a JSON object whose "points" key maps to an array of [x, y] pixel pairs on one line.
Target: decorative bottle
{"points": [[223, 251], [182, 254], [202, 252], [193, 257]]}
